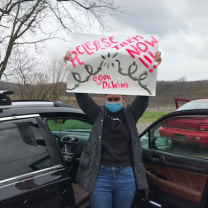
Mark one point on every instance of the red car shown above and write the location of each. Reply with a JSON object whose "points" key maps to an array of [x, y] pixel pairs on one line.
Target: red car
{"points": [[185, 129]]}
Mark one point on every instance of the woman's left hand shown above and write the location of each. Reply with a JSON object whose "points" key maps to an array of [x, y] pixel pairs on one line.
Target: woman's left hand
{"points": [[158, 57], [68, 56]]}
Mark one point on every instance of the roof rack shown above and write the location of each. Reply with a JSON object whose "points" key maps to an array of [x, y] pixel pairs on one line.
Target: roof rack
{"points": [[32, 100], [45, 103], [5, 100]]}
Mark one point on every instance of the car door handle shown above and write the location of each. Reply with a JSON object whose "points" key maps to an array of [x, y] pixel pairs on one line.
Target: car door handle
{"points": [[155, 158], [156, 174]]}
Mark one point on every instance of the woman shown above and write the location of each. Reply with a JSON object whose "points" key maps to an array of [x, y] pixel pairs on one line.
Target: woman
{"points": [[111, 166]]}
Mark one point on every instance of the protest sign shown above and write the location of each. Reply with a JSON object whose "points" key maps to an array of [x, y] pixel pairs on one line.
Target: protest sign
{"points": [[113, 65]]}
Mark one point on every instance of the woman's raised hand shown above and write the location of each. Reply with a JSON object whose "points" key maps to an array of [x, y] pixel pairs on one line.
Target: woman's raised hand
{"points": [[68, 56], [158, 57]]}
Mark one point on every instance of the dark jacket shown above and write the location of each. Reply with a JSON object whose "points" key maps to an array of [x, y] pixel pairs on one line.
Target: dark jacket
{"points": [[91, 156]]}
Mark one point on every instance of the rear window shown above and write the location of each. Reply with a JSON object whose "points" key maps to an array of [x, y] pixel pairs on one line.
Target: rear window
{"points": [[194, 105]]}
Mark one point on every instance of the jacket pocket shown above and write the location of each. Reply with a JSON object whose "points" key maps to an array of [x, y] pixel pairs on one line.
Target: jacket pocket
{"points": [[85, 158]]}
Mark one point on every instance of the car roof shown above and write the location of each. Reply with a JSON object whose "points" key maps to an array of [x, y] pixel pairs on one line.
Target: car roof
{"points": [[190, 105], [199, 100], [27, 107], [7, 112], [36, 103]]}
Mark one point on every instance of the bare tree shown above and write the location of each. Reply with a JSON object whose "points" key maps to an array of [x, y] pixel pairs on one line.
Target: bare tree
{"points": [[57, 71], [22, 67], [36, 80], [24, 22], [182, 79], [39, 87]]}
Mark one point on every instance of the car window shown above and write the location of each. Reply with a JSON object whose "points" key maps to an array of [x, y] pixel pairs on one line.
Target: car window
{"points": [[182, 135], [22, 148], [194, 105], [68, 124]]}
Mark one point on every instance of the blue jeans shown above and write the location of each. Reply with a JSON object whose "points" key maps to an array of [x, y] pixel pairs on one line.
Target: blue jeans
{"points": [[115, 187]]}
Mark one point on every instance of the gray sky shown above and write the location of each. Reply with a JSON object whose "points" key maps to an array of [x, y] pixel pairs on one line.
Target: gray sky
{"points": [[182, 29]]}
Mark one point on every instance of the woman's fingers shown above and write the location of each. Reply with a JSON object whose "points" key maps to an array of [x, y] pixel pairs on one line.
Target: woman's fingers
{"points": [[68, 56], [158, 57], [159, 61]]}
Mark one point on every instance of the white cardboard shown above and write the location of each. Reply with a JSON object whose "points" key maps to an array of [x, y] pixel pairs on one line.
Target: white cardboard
{"points": [[100, 63]]}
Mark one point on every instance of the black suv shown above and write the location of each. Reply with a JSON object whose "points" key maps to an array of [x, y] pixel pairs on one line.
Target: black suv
{"points": [[33, 172], [41, 143]]}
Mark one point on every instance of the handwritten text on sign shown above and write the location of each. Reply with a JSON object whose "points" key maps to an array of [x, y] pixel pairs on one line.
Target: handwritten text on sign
{"points": [[113, 65]]}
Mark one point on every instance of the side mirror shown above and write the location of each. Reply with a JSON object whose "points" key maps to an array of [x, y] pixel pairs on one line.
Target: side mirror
{"points": [[164, 144], [59, 121]]}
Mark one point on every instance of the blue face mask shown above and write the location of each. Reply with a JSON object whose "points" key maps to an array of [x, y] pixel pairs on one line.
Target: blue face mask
{"points": [[114, 106]]}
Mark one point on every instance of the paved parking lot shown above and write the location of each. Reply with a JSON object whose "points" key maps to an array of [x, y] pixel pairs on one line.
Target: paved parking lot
{"points": [[141, 126]]}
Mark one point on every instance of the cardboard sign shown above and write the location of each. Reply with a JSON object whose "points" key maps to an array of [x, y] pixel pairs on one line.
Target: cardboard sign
{"points": [[113, 65]]}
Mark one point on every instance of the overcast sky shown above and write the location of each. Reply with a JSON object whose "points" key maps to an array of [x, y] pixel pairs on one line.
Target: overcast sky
{"points": [[180, 25]]}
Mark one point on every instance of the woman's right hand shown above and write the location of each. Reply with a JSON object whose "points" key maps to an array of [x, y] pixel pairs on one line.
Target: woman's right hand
{"points": [[68, 56]]}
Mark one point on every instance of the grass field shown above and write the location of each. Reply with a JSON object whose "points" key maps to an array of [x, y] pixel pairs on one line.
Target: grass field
{"points": [[69, 125], [150, 116]]}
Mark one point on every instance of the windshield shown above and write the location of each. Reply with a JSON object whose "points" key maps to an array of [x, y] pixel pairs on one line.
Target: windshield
{"points": [[194, 105]]}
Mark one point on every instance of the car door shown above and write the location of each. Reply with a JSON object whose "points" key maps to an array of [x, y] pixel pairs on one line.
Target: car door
{"points": [[175, 155], [32, 171], [72, 133]]}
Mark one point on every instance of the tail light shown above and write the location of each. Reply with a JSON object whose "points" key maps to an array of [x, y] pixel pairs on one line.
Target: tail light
{"points": [[203, 127]]}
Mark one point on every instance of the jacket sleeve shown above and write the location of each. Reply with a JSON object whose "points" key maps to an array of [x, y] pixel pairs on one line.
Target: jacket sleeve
{"points": [[138, 106], [88, 105]]}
